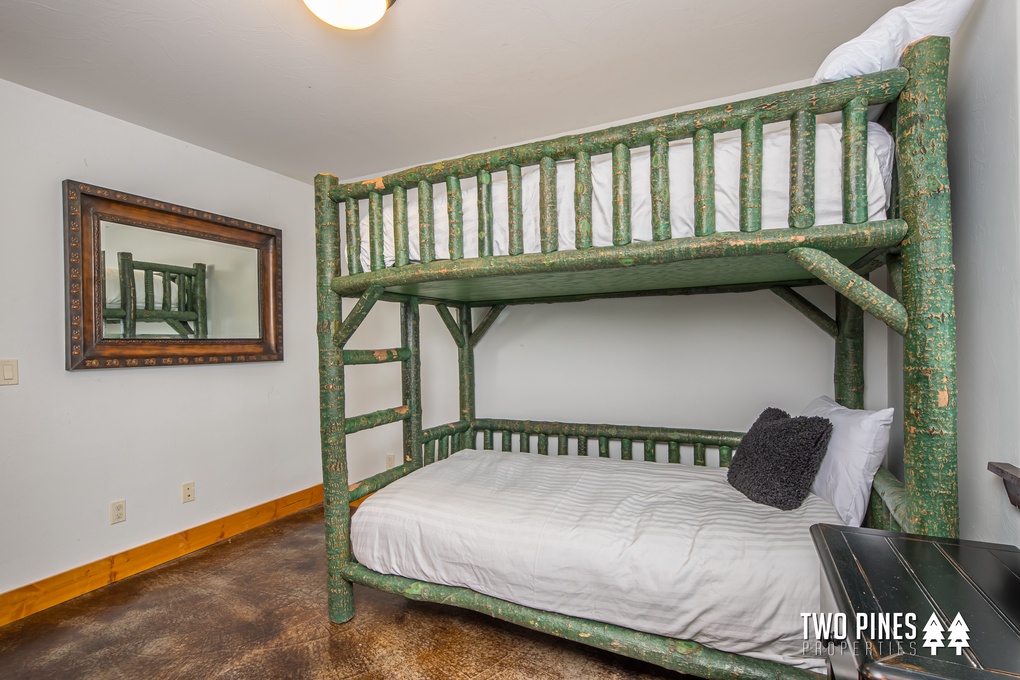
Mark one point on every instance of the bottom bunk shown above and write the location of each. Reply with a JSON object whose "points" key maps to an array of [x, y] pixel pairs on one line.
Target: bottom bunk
{"points": [[671, 552]]}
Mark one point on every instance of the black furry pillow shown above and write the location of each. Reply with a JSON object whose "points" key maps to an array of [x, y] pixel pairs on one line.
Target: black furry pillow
{"points": [[779, 457]]}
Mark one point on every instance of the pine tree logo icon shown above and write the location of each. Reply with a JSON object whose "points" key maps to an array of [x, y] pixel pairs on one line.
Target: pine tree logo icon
{"points": [[958, 634], [933, 633]]}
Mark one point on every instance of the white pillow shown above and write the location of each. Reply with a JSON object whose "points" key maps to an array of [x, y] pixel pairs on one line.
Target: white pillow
{"points": [[879, 48], [857, 448]]}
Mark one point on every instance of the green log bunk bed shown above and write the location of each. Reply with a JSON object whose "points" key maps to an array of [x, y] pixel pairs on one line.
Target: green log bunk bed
{"points": [[914, 243], [181, 302]]}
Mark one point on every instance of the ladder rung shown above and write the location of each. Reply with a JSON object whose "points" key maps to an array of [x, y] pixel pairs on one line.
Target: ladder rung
{"points": [[375, 356], [376, 419]]}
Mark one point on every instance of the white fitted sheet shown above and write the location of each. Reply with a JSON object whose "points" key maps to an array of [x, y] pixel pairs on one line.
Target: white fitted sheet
{"points": [[775, 194], [666, 549]]}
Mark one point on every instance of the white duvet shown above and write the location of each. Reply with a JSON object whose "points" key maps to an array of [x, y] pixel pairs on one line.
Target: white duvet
{"points": [[775, 194], [666, 549]]}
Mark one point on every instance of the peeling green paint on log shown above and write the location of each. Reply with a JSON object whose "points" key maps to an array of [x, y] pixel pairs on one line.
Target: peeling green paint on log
{"points": [[343, 331], [401, 252], [466, 364], [353, 357], [485, 324], [434, 433], [353, 236], [680, 655], [621, 195], [731, 244], [725, 456], [802, 170], [508, 441], [626, 449], [929, 346], [426, 223], [375, 231], [848, 283], [376, 418], [878, 88], [674, 452], [750, 175], [660, 189], [704, 182], [548, 217], [855, 161], [375, 482], [582, 200], [649, 450], [484, 213], [451, 325], [331, 402], [894, 498], [455, 211], [603, 447], [515, 202], [699, 454]]}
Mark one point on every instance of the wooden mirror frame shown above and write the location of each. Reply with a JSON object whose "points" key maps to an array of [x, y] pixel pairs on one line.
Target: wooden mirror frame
{"points": [[85, 206]]}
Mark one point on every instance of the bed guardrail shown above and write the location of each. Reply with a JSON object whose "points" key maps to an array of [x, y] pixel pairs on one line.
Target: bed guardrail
{"points": [[800, 107]]}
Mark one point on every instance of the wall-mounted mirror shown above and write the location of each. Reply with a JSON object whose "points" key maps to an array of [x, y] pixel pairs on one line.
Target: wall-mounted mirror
{"points": [[155, 284]]}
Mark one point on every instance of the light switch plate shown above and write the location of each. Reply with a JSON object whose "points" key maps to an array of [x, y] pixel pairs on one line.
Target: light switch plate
{"points": [[8, 371]]}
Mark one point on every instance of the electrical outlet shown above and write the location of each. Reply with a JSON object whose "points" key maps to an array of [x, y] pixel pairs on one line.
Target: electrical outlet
{"points": [[390, 461], [188, 492], [118, 512]]}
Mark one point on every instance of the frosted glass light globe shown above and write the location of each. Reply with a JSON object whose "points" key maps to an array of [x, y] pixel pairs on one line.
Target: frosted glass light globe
{"points": [[351, 15]]}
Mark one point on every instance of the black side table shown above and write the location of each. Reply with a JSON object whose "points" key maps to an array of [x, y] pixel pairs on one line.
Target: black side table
{"points": [[870, 576]]}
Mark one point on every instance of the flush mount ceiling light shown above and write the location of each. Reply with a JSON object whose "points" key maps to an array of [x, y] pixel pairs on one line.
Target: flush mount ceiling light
{"points": [[351, 15]]}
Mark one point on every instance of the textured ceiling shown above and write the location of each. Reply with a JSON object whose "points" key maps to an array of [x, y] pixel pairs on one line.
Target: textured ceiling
{"points": [[265, 82]]}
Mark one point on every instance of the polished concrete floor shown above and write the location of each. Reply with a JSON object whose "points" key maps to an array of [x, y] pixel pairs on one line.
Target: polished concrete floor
{"points": [[255, 607]]}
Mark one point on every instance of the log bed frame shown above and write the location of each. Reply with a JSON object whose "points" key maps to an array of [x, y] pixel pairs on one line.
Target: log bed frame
{"points": [[915, 244]]}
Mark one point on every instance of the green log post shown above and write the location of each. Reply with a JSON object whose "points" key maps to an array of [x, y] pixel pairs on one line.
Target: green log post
{"points": [[660, 189], [377, 255], [150, 290], [508, 440], [353, 216], [621, 195], [750, 174], [700, 457], [336, 493], [582, 201], [426, 223], [455, 211], [543, 444], [548, 215], [466, 364], [401, 246], [353, 357], [603, 447], [674, 452], [704, 182], [848, 374], [484, 213], [855, 161], [802, 170], [626, 449], [650, 450], [410, 376], [515, 203], [562, 447], [929, 346]]}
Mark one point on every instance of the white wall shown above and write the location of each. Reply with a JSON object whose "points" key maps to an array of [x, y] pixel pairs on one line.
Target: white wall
{"points": [[985, 179], [70, 443]]}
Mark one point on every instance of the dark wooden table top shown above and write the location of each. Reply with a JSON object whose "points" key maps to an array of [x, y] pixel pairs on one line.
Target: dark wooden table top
{"points": [[872, 571]]}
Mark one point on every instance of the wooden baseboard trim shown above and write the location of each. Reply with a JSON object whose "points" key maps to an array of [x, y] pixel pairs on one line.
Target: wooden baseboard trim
{"points": [[34, 597]]}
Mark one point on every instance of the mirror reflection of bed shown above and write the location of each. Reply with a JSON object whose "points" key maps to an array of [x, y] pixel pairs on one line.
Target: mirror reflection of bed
{"points": [[181, 287]]}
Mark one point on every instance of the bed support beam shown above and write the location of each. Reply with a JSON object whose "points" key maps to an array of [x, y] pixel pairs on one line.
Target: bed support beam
{"points": [[848, 283], [451, 324], [678, 655], [332, 423], [485, 324], [466, 364], [345, 330], [929, 346], [410, 379], [807, 308]]}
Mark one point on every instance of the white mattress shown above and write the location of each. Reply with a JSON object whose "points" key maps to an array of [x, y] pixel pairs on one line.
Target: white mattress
{"points": [[775, 194], [666, 549], [113, 291]]}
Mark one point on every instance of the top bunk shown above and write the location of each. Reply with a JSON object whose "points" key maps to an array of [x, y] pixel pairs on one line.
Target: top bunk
{"points": [[781, 190]]}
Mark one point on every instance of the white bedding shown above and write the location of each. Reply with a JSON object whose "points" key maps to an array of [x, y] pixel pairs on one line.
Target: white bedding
{"points": [[666, 549], [113, 291], [775, 194]]}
